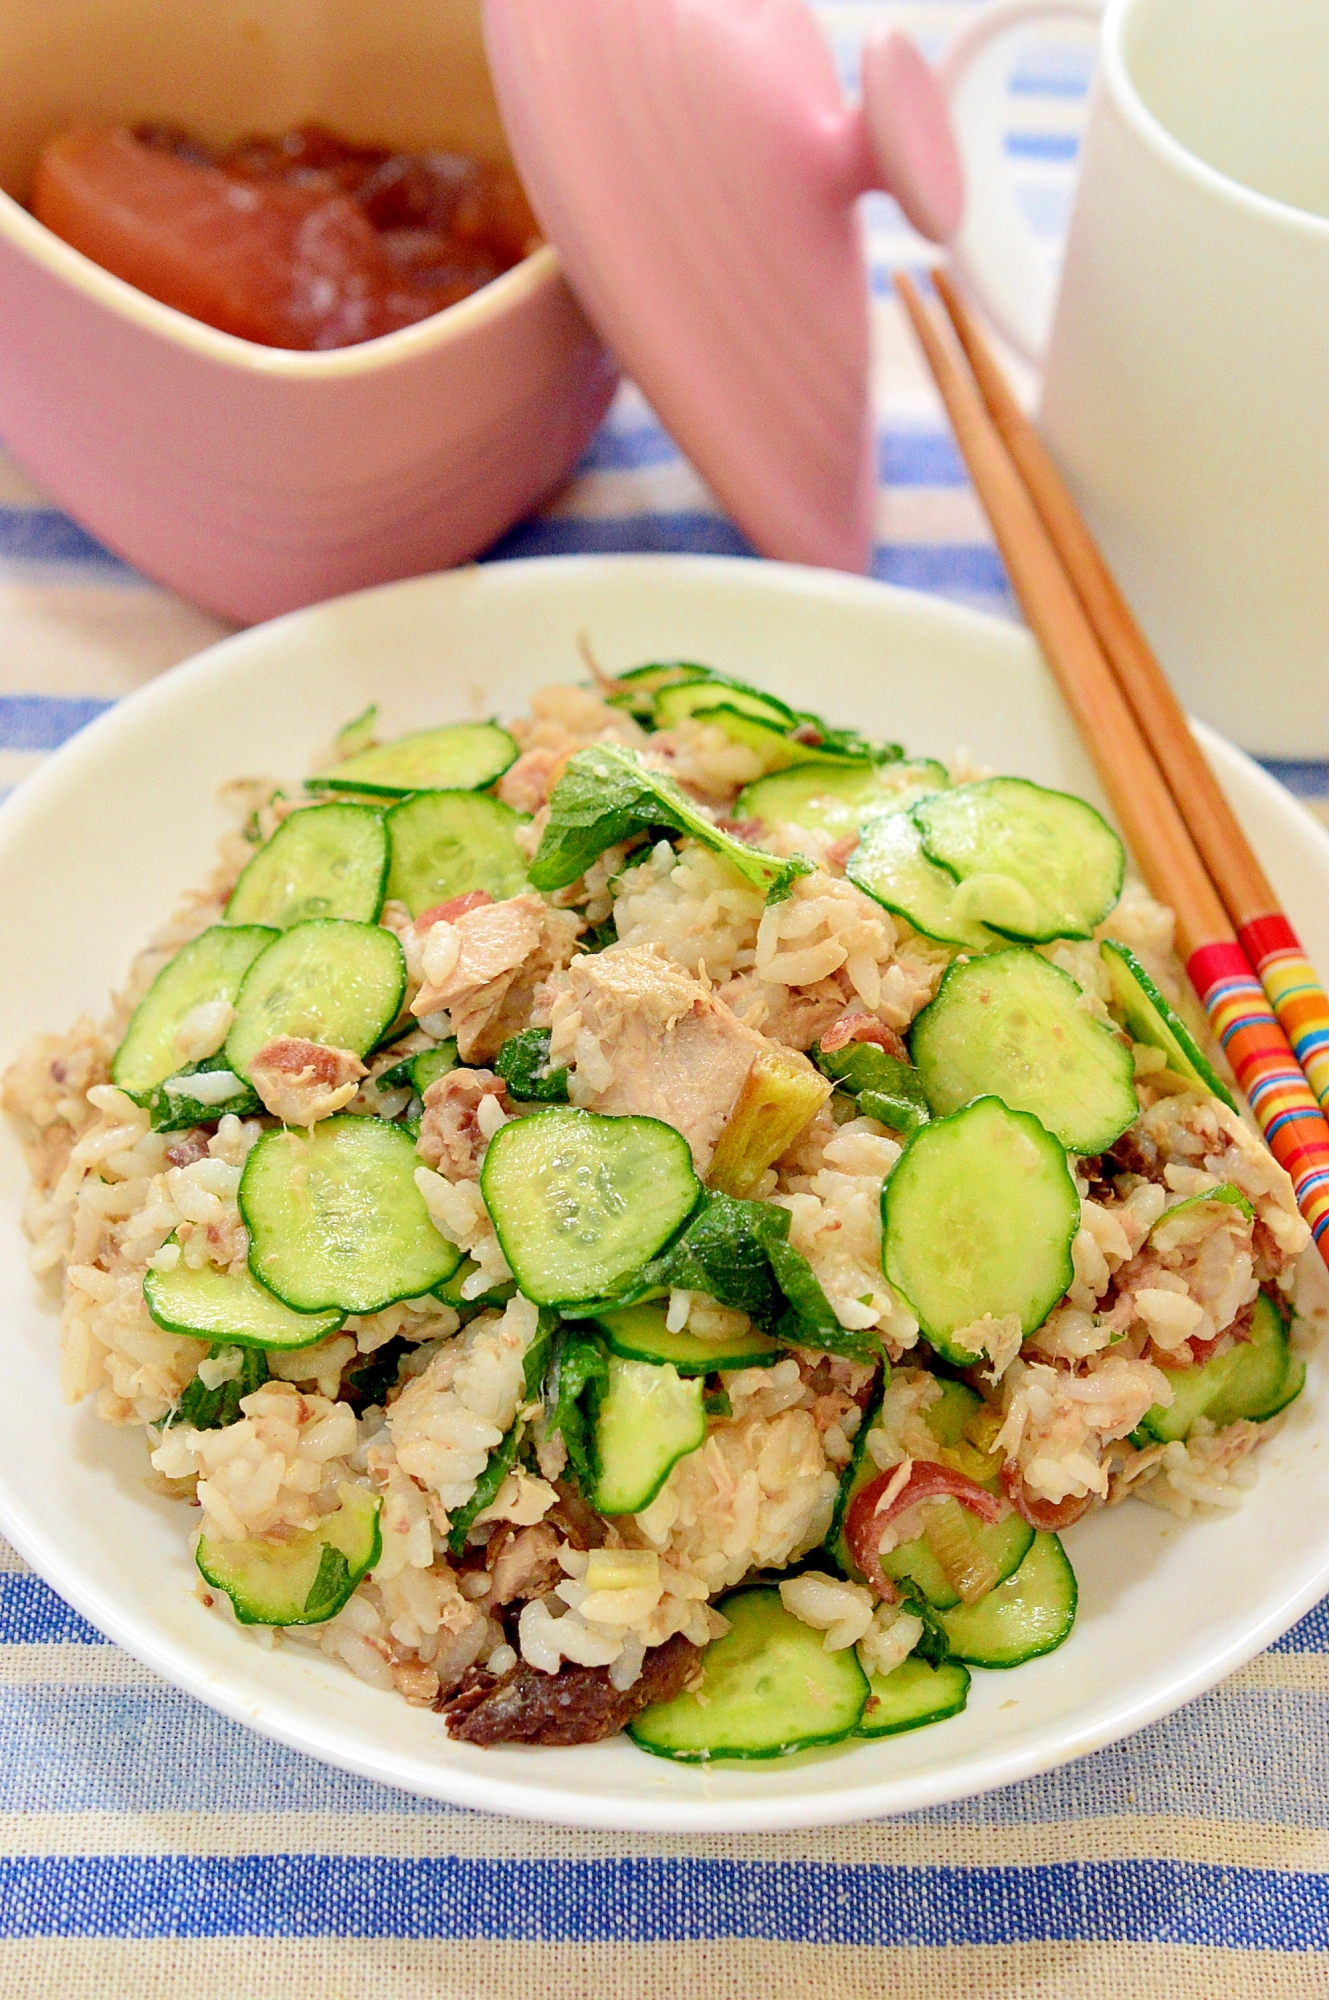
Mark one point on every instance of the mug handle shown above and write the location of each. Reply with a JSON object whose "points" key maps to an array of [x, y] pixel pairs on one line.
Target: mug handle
{"points": [[992, 249]]}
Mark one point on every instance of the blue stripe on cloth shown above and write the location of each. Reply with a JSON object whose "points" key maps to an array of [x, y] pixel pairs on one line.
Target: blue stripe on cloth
{"points": [[1308, 778], [942, 567], [614, 450], [919, 458], [45, 721], [1309, 1635], [32, 1614], [648, 1899], [1259, 1758], [688, 533], [1043, 83], [44, 534], [1041, 145]]}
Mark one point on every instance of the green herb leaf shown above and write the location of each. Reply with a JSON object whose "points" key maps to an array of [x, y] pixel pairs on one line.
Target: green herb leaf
{"points": [[883, 1087], [581, 1364], [370, 1382], [204, 1409], [739, 1253], [523, 1064], [499, 1465], [606, 794], [934, 1646]]}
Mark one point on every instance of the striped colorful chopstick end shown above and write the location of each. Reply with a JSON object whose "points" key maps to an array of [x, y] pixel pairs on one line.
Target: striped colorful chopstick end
{"points": [[1269, 1075], [1295, 994]]}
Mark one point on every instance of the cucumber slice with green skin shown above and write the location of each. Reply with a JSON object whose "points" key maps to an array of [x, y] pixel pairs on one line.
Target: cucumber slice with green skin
{"points": [[639, 1333], [445, 844], [890, 866], [1013, 1025], [1030, 1614], [860, 1469], [947, 1417], [228, 1307], [211, 966], [303, 1581], [1171, 1225], [1148, 1018], [324, 861], [580, 1201], [1005, 1543], [912, 1695], [839, 800], [778, 751], [329, 981], [638, 687], [646, 1419], [461, 756], [419, 1071], [1061, 854], [335, 1218], [451, 1293], [881, 1085], [1254, 1380], [978, 1217], [678, 700], [768, 1687]]}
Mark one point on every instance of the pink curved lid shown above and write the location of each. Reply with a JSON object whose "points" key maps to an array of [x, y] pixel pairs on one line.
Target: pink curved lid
{"points": [[696, 165]]}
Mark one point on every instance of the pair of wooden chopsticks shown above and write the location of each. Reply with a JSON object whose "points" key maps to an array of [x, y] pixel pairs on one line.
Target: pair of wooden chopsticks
{"points": [[1180, 827]]}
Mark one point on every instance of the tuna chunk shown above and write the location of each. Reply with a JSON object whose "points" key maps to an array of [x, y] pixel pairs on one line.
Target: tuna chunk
{"points": [[642, 1035], [452, 1139], [575, 1705], [301, 1082], [484, 968]]}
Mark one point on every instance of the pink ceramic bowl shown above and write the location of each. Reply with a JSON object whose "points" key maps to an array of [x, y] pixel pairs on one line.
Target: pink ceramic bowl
{"points": [[253, 479]]}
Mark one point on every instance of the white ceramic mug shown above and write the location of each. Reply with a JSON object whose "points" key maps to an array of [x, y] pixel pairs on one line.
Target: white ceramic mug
{"points": [[1186, 375]]}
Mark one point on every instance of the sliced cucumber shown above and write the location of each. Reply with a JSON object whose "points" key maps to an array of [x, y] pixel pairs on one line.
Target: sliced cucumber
{"points": [[1166, 1234], [419, 1071], [328, 981], [335, 1218], [1004, 1543], [637, 689], [450, 1291], [580, 1202], [912, 1695], [303, 1581], [324, 861], [1013, 1025], [1255, 1379], [861, 1467], [978, 1217], [646, 1419], [778, 750], [640, 1333], [839, 799], [229, 1308], [954, 1408], [890, 866], [1148, 1018], [677, 700], [211, 966], [881, 1085], [447, 843], [1030, 1614], [1059, 853], [461, 756], [768, 1687]]}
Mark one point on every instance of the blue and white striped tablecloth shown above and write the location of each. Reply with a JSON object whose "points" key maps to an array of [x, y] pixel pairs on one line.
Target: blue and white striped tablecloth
{"points": [[150, 1850]]}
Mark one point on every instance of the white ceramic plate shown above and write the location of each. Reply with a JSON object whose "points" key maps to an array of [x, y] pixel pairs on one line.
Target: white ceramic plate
{"points": [[96, 848]]}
